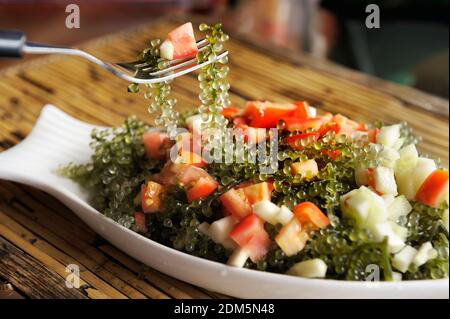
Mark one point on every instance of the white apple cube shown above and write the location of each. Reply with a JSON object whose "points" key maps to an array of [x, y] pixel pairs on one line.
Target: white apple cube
{"points": [[313, 268], [425, 253], [401, 231], [385, 180], [204, 228], [388, 199], [388, 135], [388, 157], [166, 50], [284, 215], [396, 276], [382, 230], [405, 183], [238, 258], [220, 229], [267, 210], [408, 158], [403, 259], [400, 206]]}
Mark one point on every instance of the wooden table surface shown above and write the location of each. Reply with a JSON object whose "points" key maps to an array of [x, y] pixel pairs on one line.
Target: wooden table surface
{"points": [[39, 236]]}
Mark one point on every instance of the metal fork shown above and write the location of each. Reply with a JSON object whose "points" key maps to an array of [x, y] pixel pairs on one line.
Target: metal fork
{"points": [[13, 44]]}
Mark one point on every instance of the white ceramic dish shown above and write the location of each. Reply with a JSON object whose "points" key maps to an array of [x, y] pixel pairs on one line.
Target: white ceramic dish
{"points": [[59, 139]]}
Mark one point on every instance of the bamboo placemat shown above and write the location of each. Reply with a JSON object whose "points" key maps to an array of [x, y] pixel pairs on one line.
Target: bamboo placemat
{"points": [[39, 236]]}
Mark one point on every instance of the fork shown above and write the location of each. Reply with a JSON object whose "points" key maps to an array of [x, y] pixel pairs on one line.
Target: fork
{"points": [[13, 44]]}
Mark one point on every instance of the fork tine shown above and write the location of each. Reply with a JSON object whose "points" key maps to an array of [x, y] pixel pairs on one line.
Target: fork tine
{"points": [[166, 77], [171, 68]]}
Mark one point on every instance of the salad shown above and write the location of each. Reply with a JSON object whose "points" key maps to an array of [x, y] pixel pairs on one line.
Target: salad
{"points": [[278, 187]]}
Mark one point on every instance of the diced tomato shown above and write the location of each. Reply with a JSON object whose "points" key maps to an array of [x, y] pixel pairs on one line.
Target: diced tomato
{"points": [[258, 246], [306, 169], [294, 124], [141, 222], [258, 192], [156, 145], [173, 173], [330, 126], [333, 154], [294, 141], [183, 41], [202, 188], [246, 229], [150, 197], [434, 188], [292, 238], [303, 110], [373, 135], [239, 121], [230, 112], [347, 126], [308, 213], [267, 114], [191, 158], [235, 203]]}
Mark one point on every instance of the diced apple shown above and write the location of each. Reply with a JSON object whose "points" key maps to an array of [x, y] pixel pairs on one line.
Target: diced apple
{"points": [[382, 230], [388, 199], [267, 210], [403, 259], [425, 253], [423, 169], [220, 229], [405, 183], [285, 215], [388, 157], [385, 180], [400, 206], [356, 205], [306, 169], [401, 231], [408, 158], [399, 144], [396, 276], [166, 50], [388, 135], [238, 258], [313, 268], [204, 228], [292, 238]]}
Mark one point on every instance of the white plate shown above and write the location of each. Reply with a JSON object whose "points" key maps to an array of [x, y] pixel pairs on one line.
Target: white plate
{"points": [[59, 139]]}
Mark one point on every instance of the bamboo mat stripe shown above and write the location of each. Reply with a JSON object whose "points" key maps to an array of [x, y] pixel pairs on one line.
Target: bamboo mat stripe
{"points": [[38, 232]]}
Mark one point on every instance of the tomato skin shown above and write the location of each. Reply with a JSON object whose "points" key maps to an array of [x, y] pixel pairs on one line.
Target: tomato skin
{"points": [[141, 222], [308, 213], [231, 112], [373, 135], [150, 197], [294, 140], [236, 203], [183, 41], [258, 192], [202, 188], [302, 110], [156, 145], [328, 127], [431, 191], [267, 114], [294, 124], [246, 229]]}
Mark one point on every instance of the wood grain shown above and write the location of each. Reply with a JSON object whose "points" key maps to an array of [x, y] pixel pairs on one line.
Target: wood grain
{"points": [[48, 236]]}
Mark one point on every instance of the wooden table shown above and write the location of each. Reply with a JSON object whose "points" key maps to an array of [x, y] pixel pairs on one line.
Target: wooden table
{"points": [[39, 236]]}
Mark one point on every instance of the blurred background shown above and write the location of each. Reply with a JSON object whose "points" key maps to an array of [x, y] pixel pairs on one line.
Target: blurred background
{"points": [[410, 47]]}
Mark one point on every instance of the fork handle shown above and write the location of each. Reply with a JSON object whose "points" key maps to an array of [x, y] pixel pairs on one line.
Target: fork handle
{"points": [[11, 43]]}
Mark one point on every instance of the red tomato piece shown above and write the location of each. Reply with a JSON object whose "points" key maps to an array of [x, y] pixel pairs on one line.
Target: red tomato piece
{"points": [[308, 213], [373, 135], [141, 222], [267, 114], [202, 188], [332, 154], [303, 110], [294, 124], [183, 41], [190, 158], [156, 145], [235, 203], [247, 228], [258, 246], [294, 141], [150, 197], [330, 126], [434, 188], [230, 112]]}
